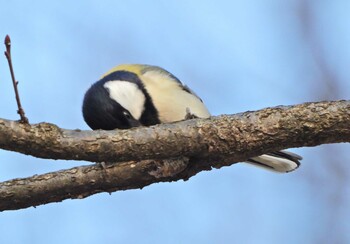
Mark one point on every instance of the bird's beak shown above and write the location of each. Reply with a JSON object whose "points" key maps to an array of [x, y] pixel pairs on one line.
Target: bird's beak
{"points": [[134, 123]]}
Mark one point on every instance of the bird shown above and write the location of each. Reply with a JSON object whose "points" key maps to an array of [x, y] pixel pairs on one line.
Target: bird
{"points": [[133, 95]]}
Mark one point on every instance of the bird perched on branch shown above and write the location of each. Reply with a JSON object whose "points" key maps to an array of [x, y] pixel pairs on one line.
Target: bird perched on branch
{"points": [[142, 95]]}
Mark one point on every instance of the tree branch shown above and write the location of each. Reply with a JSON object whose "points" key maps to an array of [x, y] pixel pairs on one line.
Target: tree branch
{"points": [[78, 182], [246, 133], [207, 143], [20, 110]]}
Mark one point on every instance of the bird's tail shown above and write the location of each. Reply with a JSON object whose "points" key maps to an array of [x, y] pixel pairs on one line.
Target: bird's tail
{"points": [[281, 161]]}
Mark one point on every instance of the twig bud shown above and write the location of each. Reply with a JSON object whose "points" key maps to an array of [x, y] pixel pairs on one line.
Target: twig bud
{"points": [[7, 41]]}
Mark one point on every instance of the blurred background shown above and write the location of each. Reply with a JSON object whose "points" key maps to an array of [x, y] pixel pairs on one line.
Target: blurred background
{"points": [[238, 56]]}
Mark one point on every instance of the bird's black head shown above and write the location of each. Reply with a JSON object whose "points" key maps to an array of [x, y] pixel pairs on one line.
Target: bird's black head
{"points": [[118, 101], [101, 111]]}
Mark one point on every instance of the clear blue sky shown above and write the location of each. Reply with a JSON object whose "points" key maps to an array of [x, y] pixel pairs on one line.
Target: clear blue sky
{"points": [[238, 56]]}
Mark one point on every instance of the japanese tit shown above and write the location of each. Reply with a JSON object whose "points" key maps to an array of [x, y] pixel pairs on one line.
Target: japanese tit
{"points": [[142, 95]]}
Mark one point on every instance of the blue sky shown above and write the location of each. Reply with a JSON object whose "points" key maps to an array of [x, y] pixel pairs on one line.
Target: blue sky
{"points": [[238, 56]]}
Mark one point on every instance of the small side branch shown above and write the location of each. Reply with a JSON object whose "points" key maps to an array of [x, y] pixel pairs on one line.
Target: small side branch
{"points": [[20, 110]]}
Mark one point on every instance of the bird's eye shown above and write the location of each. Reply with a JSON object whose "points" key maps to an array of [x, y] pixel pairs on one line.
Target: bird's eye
{"points": [[127, 115]]}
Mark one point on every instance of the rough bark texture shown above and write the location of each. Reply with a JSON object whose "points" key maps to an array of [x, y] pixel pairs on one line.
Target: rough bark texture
{"points": [[203, 144], [78, 182]]}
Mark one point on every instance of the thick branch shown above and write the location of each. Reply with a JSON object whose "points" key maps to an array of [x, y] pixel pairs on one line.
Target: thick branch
{"points": [[237, 135], [214, 142]]}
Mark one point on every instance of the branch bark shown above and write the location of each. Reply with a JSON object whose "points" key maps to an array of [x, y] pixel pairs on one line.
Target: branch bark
{"points": [[202, 143]]}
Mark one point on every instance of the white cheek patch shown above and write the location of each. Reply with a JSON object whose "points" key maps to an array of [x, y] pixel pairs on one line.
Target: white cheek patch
{"points": [[128, 95]]}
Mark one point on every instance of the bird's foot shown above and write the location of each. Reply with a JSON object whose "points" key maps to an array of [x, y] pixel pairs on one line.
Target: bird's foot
{"points": [[190, 115]]}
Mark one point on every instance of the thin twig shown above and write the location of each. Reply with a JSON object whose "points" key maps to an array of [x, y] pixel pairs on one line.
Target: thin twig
{"points": [[20, 110]]}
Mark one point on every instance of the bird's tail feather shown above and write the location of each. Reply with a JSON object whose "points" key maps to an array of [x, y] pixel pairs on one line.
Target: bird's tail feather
{"points": [[281, 161]]}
